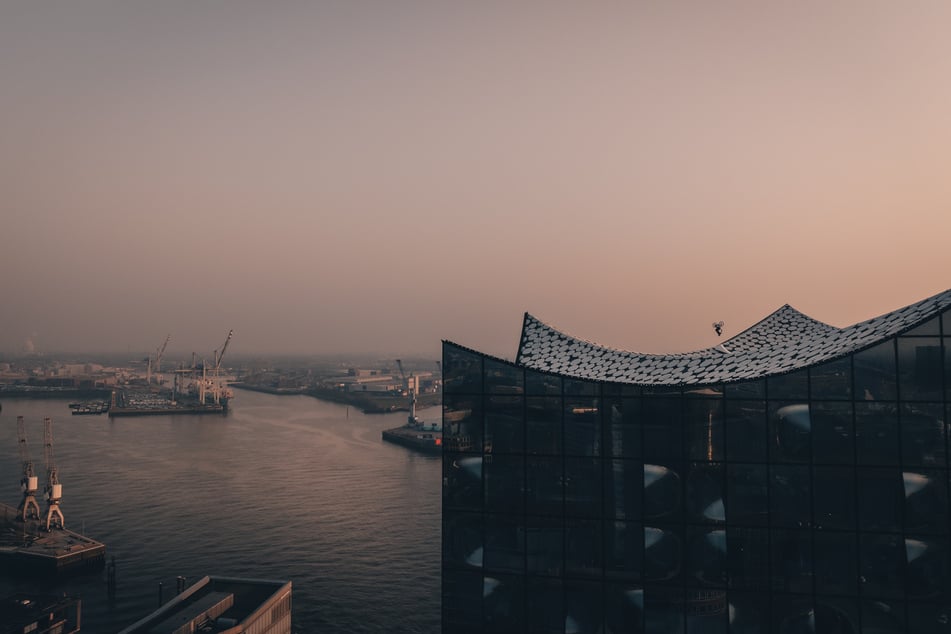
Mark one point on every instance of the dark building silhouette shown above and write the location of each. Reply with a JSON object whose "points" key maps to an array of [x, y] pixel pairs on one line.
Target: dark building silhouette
{"points": [[793, 479]]}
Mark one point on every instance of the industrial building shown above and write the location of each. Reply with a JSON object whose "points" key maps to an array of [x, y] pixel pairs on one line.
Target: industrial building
{"points": [[793, 478]]}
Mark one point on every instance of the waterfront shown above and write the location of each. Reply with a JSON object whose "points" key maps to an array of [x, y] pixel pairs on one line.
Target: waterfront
{"points": [[283, 487]]}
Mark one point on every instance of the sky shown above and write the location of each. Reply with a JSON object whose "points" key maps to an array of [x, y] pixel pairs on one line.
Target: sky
{"points": [[375, 177]]}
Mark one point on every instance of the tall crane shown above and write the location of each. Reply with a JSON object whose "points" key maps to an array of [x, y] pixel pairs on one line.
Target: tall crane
{"points": [[411, 388], [158, 360], [213, 382], [29, 483], [53, 490]]}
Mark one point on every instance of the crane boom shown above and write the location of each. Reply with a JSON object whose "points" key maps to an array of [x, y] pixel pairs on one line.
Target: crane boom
{"points": [[219, 357], [29, 483], [158, 357], [54, 490]]}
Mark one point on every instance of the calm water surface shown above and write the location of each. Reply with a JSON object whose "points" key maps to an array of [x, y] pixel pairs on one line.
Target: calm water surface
{"points": [[283, 487]]}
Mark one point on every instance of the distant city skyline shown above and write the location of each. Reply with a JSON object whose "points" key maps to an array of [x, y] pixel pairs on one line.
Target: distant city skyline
{"points": [[374, 177]]}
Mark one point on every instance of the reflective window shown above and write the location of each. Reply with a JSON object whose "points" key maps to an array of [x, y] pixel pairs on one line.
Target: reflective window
{"points": [[462, 539], [920, 372], [883, 617], [583, 547], [834, 497], [836, 557], [707, 612], [503, 600], [929, 328], [504, 483], [748, 557], [584, 606], [704, 428], [792, 386], [790, 432], [624, 608], [663, 486], [541, 384], [747, 495], [926, 501], [462, 481], [881, 565], [583, 482], [791, 560], [833, 440], [706, 557], [922, 435], [461, 600], [789, 496], [746, 431], [663, 554], [623, 550], [880, 499], [582, 427], [832, 380], [622, 427], [745, 389], [543, 425], [947, 367], [544, 485], [928, 618], [837, 615], [792, 613], [663, 435], [874, 373], [926, 573], [503, 378], [749, 613], [544, 543], [876, 433], [462, 422], [577, 387], [462, 371], [504, 544], [705, 489], [504, 428], [623, 485], [544, 606]]}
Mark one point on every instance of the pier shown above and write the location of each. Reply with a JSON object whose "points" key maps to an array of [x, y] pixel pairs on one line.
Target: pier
{"points": [[26, 547]]}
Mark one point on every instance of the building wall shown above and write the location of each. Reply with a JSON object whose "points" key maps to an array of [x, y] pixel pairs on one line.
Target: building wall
{"points": [[815, 501]]}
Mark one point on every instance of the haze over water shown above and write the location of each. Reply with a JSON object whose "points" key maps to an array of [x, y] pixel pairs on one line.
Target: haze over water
{"points": [[284, 487]]}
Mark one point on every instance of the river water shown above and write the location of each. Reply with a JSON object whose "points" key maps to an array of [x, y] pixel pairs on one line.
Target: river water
{"points": [[283, 487]]}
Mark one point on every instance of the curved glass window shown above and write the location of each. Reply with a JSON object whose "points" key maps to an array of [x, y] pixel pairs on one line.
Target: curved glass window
{"points": [[503, 601], [833, 439], [544, 543], [791, 560], [623, 486], [745, 390], [920, 371], [503, 378], [624, 608], [504, 424], [620, 418], [832, 380], [663, 554], [623, 550], [790, 431], [583, 548], [504, 483], [926, 501], [462, 371], [461, 600], [541, 384], [583, 487], [462, 539], [705, 489], [880, 499], [746, 431], [462, 422], [663, 434], [504, 544], [663, 500], [704, 427], [792, 386], [836, 557], [793, 613], [545, 605], [582, 427], [706, 556], [747, 495], [876, 433], [886, 617], [544, 486], [462, 481], [834, 497], [923, 435], [543, 425], [874, 373], [584, 610], [748, 558], [881, 565], [926, 572], [789, 496], [749, 613]]}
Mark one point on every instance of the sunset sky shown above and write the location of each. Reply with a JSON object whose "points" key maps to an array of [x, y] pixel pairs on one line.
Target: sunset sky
{"points": [[377, 176]]}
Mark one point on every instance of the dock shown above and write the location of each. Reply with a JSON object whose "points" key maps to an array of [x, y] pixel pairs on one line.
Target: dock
{"points": [[27, 548], [415, 437]]}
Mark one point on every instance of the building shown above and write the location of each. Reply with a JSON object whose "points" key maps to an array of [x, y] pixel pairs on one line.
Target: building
{"points": [[26, 613], [223, 605], [793, 479]]}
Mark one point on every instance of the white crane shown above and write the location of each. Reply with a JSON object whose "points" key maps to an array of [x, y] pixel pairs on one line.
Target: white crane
{"points": [[411, 388], [158, 360], [29, 483], [53, 490]]}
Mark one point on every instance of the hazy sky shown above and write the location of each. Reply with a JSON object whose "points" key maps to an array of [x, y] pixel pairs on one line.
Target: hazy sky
{"points": [[378, 176]]}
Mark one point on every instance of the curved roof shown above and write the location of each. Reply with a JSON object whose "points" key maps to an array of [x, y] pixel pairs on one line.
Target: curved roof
{"points": [[784, 341]]}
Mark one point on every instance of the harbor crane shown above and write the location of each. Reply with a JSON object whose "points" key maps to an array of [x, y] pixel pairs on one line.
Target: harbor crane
{"points": [[29, 483], [213, 383], [158, 360], [411, 388], [53, 490]]}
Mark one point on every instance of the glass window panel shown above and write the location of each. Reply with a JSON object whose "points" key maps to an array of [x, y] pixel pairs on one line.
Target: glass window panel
{"points": [[543, 425], [883, 617], [926, 572], [577, 387], [503, 378], [925, 618], [920, 375], [663, 496], [663, 433], [583, 487], [790, 431], [746, 431], [837, 615], [582, 427], [880, 499], [503, 600], [583, 547], [929, 328], [789, 496], [706, 611], [504, 544], [704, 427], [746, 389], [462, 370], [792, 613], [461, 600], [747, 499], [610, 389], [834, 497], [462, 423], [832, 380], [462, 481], [946, 322], [544, 539], [623, 550], [706, 557], [504, 478], [462, 540], [833, 439], [874, 373], [624, 608], [663, 610], [791, 560], [663, 554], [545, 606], [622, 426], [704, 391], [542, 384], [584, 606], [926, 501], [748, 557], [947, 367], [749, 613], [881, 565], [623, 485], [922, 435], [792, 386], [876, 433], [836, 557], [544, 486], [705, 494], [504, 424]]}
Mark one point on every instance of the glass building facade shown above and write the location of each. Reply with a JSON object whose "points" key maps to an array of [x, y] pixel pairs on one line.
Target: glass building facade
{"points": [[814, 499]]}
